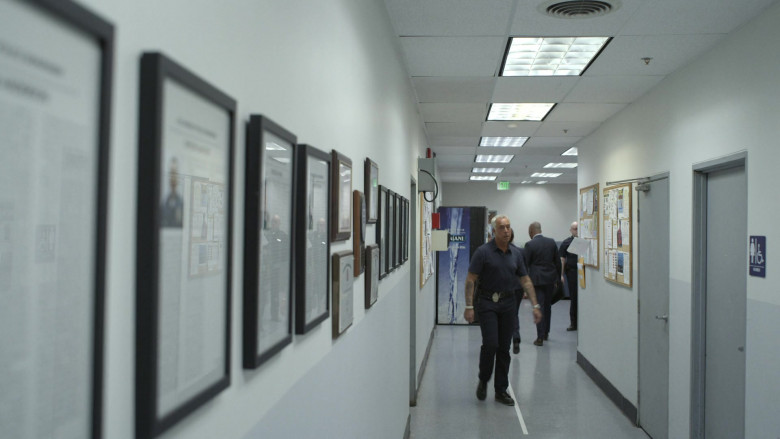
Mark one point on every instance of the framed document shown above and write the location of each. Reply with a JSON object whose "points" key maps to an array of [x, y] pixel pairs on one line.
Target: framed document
{"points": [[268, 243], [55, 110], [341, 207], [371, 183], [312, 247], [404, 230], [381, 227], [359, 227], [390, 231], [185, 198], [372, 274], [342, 292], [397, 240]]}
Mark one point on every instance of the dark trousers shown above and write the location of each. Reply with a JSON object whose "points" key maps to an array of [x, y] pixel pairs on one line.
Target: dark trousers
{"points": [[572, 282], [518, 299], [544, 295], [496, 322]]}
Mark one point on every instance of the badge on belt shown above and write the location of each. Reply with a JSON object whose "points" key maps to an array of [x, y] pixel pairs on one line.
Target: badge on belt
{"points": [[495, 297]]}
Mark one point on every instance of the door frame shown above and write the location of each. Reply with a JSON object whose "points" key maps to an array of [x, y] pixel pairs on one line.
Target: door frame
{"points": [[699, 284]]}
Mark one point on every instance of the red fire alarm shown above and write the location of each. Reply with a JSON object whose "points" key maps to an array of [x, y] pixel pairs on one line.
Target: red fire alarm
{"points": [[435, 220]]}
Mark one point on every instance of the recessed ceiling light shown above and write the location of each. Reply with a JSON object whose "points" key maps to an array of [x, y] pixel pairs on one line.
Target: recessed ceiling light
{"points": [[515, 142], [542, 182], [546, 174], [551, 56], [486, 158], [486, 170], [482, 177], [571, 151], [560, 165], [526, 182], [532, 112]]}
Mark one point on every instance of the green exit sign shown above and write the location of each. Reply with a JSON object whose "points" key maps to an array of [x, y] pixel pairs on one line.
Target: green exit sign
{"points": [[503, 185]]}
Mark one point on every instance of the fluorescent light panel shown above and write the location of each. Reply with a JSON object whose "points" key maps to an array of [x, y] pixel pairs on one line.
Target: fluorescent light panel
{"points": [[560, 165], [571, 151], [526, 182], [482, 177], [486, 158], [486, 170], [515, 142], [551, 56], [546, 174], [518, 111], [542, 182]]}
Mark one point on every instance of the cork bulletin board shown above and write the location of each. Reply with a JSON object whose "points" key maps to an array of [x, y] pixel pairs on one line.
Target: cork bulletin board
{"points": [[589, 223], [618, 234]]}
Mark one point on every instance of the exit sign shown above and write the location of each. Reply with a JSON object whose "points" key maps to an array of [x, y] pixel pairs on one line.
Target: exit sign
{"points": [[503, 185]]}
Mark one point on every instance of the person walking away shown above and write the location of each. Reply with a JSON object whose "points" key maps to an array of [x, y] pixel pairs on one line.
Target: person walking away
{"points": [[569, 262], [544, 266]]}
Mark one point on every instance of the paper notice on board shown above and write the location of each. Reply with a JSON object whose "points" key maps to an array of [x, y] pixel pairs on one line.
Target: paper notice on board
{"points": [[612, 263], [607, 234], [579, 246], [589, 207], [625, 232], [626, 268]]}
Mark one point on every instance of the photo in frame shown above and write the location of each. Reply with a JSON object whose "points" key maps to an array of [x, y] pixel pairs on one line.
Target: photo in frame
{"points": [[371, 189], [372, 274], [359, 231], [341, 201], [343, 279], [56, 75], [381, 228], [312, 246], [268, 240], [184, 243]]}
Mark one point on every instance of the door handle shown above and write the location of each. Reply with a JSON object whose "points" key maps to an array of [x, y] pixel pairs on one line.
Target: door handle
{"points": [[663, 317]]}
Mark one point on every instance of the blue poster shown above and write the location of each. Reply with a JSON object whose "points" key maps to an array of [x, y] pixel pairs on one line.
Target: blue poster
{"points": [[453, 265]]}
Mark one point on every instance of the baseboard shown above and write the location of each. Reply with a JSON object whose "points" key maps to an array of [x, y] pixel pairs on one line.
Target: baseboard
{"points": [[611, 391], [408, 431], [423, 365]]}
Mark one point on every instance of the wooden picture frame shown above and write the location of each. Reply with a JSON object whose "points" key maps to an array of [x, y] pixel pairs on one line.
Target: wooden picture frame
{"points": [[359, 227], [57, 74], [341, 197], [371, 190], [618, 234], [184, 246], [312, 246], [268, 240], [343, 279], [372, 274]]}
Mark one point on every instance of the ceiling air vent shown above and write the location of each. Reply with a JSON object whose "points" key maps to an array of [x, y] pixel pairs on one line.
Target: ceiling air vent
{"points": [[579, 9]]}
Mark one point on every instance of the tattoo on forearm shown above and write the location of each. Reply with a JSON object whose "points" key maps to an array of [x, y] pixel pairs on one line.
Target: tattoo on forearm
{"points": [[469, 292]]}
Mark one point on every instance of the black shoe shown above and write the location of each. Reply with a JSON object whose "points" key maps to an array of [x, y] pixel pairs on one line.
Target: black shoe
{"points": [[481, 390], [572, 328], [546, 336], [504, 398], [516, 346], [538, 342]]}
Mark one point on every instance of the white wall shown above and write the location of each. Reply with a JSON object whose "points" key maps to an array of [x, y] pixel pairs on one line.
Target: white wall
{"points": [[724, 102], [553, 205], [330, 72]]}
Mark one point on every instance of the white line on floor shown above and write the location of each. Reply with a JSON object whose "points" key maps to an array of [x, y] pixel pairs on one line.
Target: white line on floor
{"points": [[517, 410]]}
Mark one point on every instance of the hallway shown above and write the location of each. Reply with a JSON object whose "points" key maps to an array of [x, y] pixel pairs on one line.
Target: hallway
{"points": [[566, 402]]}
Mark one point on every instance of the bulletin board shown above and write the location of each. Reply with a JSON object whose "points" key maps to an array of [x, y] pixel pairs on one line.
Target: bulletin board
{"points": [[618, 234], [589, 223]]}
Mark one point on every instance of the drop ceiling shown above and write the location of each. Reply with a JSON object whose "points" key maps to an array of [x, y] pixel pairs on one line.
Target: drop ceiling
{"points": [[454, 50]]}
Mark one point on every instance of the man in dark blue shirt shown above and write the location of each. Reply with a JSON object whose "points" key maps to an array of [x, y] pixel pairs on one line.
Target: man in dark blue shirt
{"points": [[500, 269]]}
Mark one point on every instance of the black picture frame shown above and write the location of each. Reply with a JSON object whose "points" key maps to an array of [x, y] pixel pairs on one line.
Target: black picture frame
{"points": [[406, 223], [359, 230], [176, 110], [341, 197], [269, 213], [343, 280], [390, 231], [371, 190], [312, 244], [71, 254], [381, 235], [398, 238], [372, 275]]}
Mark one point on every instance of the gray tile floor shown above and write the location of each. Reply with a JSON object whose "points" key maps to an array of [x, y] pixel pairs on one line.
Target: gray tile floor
{"points": [[556, 398]]}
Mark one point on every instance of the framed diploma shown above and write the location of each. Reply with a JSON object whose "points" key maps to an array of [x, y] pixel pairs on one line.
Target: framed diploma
{"points": [[390, 231], [397, 230], [312, 247], [372, 274], [55, 109], [341, 208], [268, 240], [183, 265], [371, 183], [359, 227], [404, 229], [342, 291], [381, 228]]}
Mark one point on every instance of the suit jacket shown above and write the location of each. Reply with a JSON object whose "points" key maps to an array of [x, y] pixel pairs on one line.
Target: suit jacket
{"points": [[543, 261]]}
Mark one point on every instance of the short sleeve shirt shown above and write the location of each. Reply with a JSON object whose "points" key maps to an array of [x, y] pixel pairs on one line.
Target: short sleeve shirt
{"points": [[571, 258], [498, 270]]}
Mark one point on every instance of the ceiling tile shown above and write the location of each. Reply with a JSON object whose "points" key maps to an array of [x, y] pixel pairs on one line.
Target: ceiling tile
{"points": [[444, 140], [450, 17], [529, 21], [453, 112], [562, 142], [580, 129], [454, 129], [530, 89], [571, 112], [455, 150], [448, 89], [443, 56], [611, 89], [659, 17], [509, 129]]}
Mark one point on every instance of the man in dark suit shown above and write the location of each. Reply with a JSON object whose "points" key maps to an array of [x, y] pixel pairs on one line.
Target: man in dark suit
{"points": [[569, 261], [544, 266]]}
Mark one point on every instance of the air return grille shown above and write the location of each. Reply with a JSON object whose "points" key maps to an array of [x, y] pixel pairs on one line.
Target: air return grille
{"points": [[579, 9]]}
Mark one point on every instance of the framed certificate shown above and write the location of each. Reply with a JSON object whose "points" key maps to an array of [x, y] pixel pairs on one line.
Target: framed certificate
{"points": [[372, 274], [390, 231], [359, 234], [268, 239], [381, 229], [341, 207], [312, 247], [342, 291], [185, 198], [371, 183], [55, 110]]}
